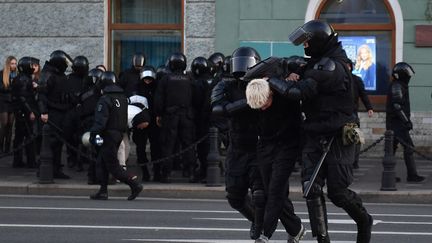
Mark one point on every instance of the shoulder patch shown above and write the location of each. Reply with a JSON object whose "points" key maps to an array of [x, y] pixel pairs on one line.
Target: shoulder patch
{"points": [[99, 108], [325, 64]]}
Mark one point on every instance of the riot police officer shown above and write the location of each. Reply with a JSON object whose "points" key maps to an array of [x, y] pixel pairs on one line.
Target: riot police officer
{"points": [[327, 102], [200, 69], [229, 99], [174, 104], [130, 78], [216, 60], [398, 116], [140, 135], [74, 86], [110, 123], [85, 110], [25, 109], [54, 102]]}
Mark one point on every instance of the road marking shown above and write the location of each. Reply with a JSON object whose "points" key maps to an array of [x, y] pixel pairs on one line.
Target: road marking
{"points": [[189, 211], [188, 229], [221, 241], [330, 221]]}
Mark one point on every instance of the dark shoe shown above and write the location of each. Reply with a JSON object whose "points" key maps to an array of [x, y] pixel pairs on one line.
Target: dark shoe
{"points": [[298, 237], [99, 196], [253, 232], [135, 191], [398, 179], [415, 178], [262, 239], [365, 231], [60, 175]]}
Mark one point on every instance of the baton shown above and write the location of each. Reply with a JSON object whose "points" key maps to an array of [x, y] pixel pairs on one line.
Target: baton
{"points": [[317, 168]]}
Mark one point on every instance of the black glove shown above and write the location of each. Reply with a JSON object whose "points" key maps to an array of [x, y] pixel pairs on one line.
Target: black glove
{"points": [[93, 138], [409, 125]]}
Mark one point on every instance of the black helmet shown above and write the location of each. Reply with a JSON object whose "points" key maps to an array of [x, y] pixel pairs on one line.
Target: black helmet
{"points": [[161, 71], [148, 72], [80, 65], [107, 78], [25, 65], [226, 66], [138, 61], [200, 66], [242, 59], [95, 75], [217, 59], [402, 71], [61, 60], [177, 62], [317, 34]]}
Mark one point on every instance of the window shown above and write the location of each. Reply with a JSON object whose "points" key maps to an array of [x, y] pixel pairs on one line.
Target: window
{"points": [[367, 24], [152, 27]]}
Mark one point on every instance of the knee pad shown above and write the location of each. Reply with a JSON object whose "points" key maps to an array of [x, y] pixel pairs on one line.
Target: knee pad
{"points": [[315, 191], [258, 198]]}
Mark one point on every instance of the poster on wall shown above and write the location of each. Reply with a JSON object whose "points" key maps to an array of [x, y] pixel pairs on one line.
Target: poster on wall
{"points": [[362, 52]]}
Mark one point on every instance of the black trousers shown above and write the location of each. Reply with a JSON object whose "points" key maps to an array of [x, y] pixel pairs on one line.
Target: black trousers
{"points": [[276, 163], [107, 161], [177, 126], [56, 120], [24, 131]]}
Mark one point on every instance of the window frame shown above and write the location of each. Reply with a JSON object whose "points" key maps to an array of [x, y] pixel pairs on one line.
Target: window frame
{"points": [[378, 101], [128, 26]]}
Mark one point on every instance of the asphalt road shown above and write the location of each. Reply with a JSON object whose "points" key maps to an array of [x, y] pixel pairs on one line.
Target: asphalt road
{"points": [[77, 219]]}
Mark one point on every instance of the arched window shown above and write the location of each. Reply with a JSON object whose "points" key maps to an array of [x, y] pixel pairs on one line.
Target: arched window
{"points": [[153, 27], [367, 31]]}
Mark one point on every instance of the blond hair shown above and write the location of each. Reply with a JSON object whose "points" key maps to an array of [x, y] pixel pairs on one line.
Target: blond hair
{"points": [[368, 61], [7, 71], [257, 93]]}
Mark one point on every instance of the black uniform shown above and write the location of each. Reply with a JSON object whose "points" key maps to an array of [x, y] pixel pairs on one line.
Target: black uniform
{"points": [[151, 133], [24, 104], [398, 114], [129, 81], [110, 123], [54, 100], [241, 166], [326, 93], [174, 102], [278, 146]]}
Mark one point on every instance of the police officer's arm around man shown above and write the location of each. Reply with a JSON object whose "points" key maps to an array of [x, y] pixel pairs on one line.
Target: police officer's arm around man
{"points": [[327, 102]]}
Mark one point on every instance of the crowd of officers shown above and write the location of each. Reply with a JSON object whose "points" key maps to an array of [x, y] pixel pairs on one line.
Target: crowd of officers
{"points": [[296, 108]]}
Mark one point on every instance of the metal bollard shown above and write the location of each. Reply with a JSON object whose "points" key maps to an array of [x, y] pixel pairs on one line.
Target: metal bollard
{"points": [[388, 180], [213, 159], [46, 158]]}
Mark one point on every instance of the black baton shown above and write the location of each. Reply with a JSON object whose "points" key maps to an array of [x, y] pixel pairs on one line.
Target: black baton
{"points": [[317, 168]]}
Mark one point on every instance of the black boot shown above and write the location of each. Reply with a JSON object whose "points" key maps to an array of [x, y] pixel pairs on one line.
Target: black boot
{"points": [[135, 187], [412, 169], [363, 220], [318, 219], [102, 194]]}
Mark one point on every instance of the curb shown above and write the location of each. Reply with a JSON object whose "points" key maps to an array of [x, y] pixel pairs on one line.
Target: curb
{"points": [[196, 191]]}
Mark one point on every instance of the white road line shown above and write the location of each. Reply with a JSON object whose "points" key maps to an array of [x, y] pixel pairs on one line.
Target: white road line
{"points": [[221, 241], [187, 229], [189, 211]]}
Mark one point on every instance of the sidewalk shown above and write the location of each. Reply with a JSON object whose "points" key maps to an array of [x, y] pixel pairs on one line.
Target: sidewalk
{"points": [[367, 183]]}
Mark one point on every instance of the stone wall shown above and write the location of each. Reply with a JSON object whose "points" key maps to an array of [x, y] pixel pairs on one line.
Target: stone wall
{"points": [[374, 128], [36, 28], [199, 28]]}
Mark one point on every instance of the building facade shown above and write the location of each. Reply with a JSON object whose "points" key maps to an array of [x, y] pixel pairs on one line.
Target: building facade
{"points": [[110, 31]]}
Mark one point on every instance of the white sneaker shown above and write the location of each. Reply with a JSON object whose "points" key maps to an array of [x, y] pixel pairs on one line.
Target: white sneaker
{"points": [[262, 239], [298, 237]]}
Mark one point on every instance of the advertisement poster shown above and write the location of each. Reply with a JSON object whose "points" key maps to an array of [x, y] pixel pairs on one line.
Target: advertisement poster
{"points": [[362, 52]]}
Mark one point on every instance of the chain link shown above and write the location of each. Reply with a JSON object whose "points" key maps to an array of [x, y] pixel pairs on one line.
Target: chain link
{"points": [[413, 148], [22, 146], [379, 140]]}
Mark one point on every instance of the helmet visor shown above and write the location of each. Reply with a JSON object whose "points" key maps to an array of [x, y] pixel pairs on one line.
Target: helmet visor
{"points": [[299, 36], [242, 64]]}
